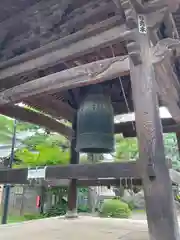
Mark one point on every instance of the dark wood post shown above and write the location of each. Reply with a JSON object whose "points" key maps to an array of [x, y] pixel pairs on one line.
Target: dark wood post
{"points": [[72, 191], [162, 221], [178, 141]]}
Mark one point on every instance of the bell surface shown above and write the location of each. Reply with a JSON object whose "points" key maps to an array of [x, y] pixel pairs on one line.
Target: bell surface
{"points": [[95, 123]]}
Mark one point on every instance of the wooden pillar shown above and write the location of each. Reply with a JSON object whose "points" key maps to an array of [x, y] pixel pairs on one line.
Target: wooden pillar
{"points": [[72, 191], [162, 221], [178, 141]]}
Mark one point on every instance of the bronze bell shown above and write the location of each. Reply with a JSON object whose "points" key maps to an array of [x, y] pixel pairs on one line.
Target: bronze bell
{"points": [[95, 122]]}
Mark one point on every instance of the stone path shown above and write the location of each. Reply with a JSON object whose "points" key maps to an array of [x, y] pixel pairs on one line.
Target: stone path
{"points": [[83, 228]]}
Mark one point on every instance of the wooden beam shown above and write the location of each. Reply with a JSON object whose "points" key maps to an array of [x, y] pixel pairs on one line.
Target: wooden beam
{"points": [[166, 52], [90, 73], [77, 44], [126, 182], [27, 115], [76, 171], [168, 87], [53, 107], [59, 44], [178, 140], [155, 5], [162, 222], [94, 171], [19, 176], [168, 124]]}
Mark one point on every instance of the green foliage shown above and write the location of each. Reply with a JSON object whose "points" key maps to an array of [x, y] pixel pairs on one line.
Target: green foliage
{"points": [[83, 209], [131, 205], [171, 150], [44, 149], [28, 216], [57, 210], [115, 208], [6, 128], [45, 139], [40, 149], [126, 148], [44, 156]]}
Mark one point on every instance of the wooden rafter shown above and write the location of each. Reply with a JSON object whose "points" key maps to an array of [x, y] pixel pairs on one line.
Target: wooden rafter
{"points": [[53, 107], [72, 46], [49, 16], [27, 115]]}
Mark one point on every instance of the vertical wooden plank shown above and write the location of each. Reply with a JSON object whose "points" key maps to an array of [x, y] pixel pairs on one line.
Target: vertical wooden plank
{"points": [[162, 220], [72, 190], [178, 140]]}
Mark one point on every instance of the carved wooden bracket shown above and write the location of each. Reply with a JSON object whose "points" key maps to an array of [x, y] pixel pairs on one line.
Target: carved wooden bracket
{"points": [[142, 17], [165, 48]]}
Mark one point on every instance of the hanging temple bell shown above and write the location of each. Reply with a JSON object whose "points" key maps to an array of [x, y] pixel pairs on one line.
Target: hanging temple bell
{"points": [[95, 122]]}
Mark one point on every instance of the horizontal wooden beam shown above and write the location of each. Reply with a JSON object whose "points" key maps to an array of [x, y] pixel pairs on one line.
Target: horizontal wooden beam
{"points": [[93, 171], [53, 107], [72, 46], [27, 115], [76, 171], [19, 176], [126, 182], [90, 73], [169, 126], [122, 173], [68, 40]]}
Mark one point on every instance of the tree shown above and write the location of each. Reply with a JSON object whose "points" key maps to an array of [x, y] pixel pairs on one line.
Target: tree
{"points": [[126, 148], [171, 150], [44, 149], [6, 128]]}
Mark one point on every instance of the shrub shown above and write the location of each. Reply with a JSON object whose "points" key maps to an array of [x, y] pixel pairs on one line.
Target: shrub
{"points": [[115, 208], [131, 205], [57, 210], [83, 209]]}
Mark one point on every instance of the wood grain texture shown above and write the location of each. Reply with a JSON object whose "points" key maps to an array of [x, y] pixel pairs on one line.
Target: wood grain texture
{"points": [[27, 115], [86, 74], [94, 171], [74, 159], [167, 82], [53, 107], [158, 193], [178, 140], [19, 176], [72, 46], [48, 21], [162, 221], [168, 124]]}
